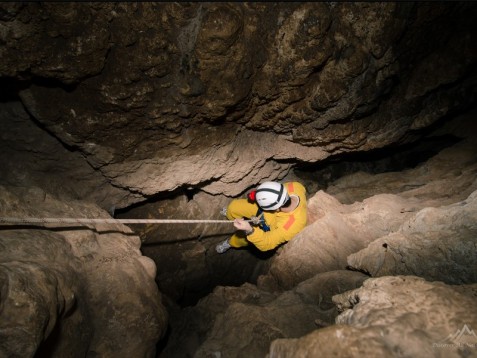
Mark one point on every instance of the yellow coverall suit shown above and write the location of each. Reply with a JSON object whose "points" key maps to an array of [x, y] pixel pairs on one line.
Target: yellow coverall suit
{"points": [[283, 226]]}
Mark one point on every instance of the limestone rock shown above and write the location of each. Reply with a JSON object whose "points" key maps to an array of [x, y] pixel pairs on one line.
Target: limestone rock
{"points": [[73, 291], [393, 316], [212, 82], [31, 157], [335, 231], [186, 105], [395, 226], [436, 243], [188, 267]]}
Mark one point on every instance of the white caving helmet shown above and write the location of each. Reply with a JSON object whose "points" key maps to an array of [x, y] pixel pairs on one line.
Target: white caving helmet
{"points": [[271, 195]]}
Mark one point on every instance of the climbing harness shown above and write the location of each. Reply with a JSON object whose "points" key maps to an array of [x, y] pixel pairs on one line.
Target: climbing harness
{"points": [[260, 220], [30, 220]]}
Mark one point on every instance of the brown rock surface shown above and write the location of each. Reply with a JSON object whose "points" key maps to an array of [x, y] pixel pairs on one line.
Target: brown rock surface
{"points": [[436, 243], [394, 316], [402, 315], [185, 105], [334, 232], [73, 291], [30, 157], [443, 179], [151, 93], [425, 229]]}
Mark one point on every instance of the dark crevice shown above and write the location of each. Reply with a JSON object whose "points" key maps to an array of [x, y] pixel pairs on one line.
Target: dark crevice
{"points": [[168, 246], [354, 269], [10, 87], [389, 159], [189, 192], [9, 92]]}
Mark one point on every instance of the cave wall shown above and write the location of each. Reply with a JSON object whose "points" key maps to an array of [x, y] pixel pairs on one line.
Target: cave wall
{"points": [[72, 290], [150, 93], [411, 249], [394, 316], [104, 105]]}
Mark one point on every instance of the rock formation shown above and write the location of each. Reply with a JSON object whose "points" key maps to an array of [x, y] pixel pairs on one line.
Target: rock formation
{"points": [[150, 93], [426, 228], [169, 110], [427, 232], [63, 287], [394, 316]]}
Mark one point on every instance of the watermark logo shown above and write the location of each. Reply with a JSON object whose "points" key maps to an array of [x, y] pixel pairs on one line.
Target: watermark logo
{"points": [[462, 338]]}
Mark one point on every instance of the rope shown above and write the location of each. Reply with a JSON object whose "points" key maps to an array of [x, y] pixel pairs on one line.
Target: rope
{"points": [[10, 220]]}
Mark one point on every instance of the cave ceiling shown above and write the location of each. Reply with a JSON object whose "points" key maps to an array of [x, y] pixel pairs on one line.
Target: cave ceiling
{"points": [[219, 96]]}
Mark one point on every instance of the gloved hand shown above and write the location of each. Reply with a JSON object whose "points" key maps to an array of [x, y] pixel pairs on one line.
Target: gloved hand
{"points": [[241, 224]]}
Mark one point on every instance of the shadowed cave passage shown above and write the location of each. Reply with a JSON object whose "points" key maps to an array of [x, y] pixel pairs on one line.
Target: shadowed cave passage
{"points": [[188, 268], [391, 159]]}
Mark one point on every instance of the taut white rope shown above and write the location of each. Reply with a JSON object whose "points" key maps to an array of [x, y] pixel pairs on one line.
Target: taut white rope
{"points": [[28, 220]]}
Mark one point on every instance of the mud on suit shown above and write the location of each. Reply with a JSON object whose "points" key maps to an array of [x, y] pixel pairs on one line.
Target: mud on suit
{"points": [[282, 226]]}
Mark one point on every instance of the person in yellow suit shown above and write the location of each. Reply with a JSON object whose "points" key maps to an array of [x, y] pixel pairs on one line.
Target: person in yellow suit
{"points": [[282, 211]]}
